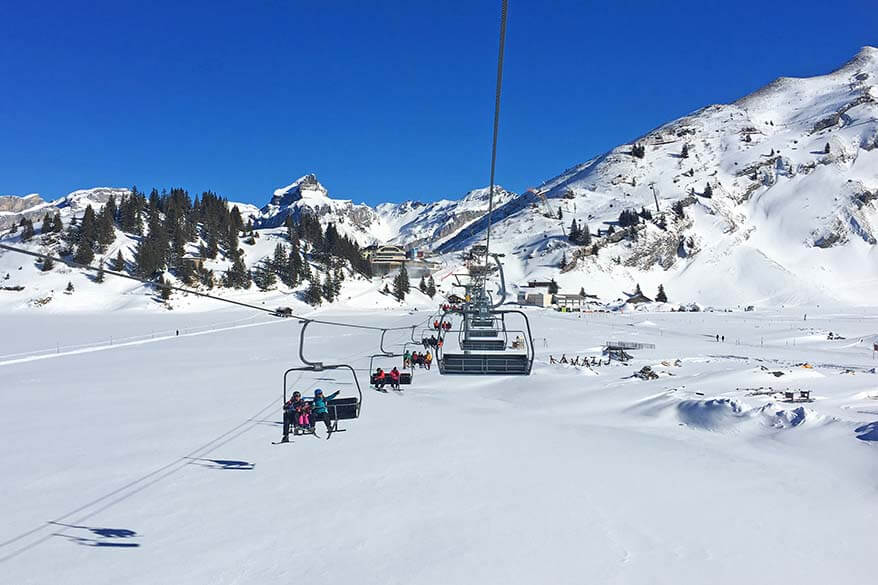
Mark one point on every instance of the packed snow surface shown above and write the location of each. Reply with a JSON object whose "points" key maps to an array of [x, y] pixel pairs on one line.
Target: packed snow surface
{"points": [[133, 454]]}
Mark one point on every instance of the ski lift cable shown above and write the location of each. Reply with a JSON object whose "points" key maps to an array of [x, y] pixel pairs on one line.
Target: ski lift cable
{"points": [[91, 268], [496, 116]]}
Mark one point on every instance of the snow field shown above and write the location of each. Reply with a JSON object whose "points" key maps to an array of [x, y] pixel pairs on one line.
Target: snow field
{"points": [[155, 459]]}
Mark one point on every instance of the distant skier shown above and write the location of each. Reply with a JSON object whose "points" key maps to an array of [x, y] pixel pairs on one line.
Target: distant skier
{"points": [[552, 360], [717, 338], [320, 408], [563, 358], [428, 359], [436, 324], [724, 338], [407, 359]]}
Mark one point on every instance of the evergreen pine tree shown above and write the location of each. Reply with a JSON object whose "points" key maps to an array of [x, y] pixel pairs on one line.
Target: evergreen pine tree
{"points": [[238, 276], [560, 215], [280, 260], [27, 231], [313, 296], [585, 236], [422, 286], [48, 264], [84, 253], [47, 225], [57, 224], [99, 277], [637, 290], [398, 287], [294, 266], [553, 287], [573, 232], [164, 289], [404, 279], [328, 288], [337, 279], [69, 288], [263, 276], [119, 264], [661, 296], [708, 191], [685, 152], [431, 287], [582, 292], [563, 260]]}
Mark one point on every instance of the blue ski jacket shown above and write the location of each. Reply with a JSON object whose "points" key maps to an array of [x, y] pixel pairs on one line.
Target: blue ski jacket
{"points": [[319, 404]]}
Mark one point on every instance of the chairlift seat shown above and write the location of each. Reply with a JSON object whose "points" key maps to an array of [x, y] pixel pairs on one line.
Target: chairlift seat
{"points": [[486, 364], [482, 345], [482, 333], [404, 378], [344, 408]]}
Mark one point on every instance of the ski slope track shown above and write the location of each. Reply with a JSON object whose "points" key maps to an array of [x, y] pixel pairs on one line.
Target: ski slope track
{"points": [[153, 463]]}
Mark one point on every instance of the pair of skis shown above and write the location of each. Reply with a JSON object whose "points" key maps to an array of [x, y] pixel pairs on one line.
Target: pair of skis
{"points": [[314, 433]]}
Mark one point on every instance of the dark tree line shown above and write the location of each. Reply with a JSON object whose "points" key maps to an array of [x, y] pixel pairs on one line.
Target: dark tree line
{"points": [[165, 223], [579, 234]]}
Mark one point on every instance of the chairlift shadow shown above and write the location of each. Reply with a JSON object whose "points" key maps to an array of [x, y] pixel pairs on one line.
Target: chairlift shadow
{"points": [[94, 542], [102, 537], [222, 463]]}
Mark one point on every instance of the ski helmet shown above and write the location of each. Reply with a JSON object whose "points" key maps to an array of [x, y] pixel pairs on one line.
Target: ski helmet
{"points": [[318, 392]]}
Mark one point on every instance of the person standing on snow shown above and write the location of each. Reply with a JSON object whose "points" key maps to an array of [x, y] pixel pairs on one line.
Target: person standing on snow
{"points": [[320, 408], [428, 358]]}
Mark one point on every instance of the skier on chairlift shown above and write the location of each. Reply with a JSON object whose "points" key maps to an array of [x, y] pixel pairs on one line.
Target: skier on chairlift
{"points": [[295, 413], [320, 409], [380, 379], [394, 378]]}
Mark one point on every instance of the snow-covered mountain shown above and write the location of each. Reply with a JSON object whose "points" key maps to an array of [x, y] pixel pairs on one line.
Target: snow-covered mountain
{"points": [[307, 195], [429, 225], [793, 171], [768, 200], [410, 223]]}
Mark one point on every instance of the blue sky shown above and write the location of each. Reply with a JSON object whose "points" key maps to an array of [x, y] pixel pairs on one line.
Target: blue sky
{"points": [[386, 100]]}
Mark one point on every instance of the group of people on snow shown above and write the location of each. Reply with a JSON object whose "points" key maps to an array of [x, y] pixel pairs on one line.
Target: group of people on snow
{"points": [[305, 414], [586, 360], [383, 378], [420, 359]]}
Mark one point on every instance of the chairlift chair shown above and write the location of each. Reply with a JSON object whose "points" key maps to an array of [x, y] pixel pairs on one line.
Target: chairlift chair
{"points": [[481, 354], [405, 378], [344, 408]]}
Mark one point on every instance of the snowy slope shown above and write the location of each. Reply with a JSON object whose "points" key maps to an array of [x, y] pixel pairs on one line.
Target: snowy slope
{"points": [[164, 472], [430, 225], [787, 223]]}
